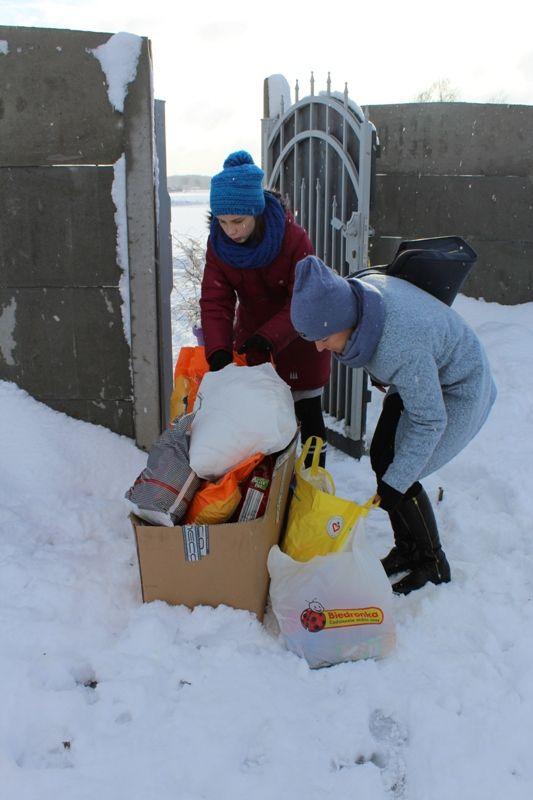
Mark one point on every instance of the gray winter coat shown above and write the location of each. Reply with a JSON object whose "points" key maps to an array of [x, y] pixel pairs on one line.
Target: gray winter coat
{"points": [[434, 360]]}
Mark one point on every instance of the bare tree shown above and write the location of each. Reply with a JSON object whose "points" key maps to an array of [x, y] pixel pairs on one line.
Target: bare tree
{"points": [[440, 91], [188, 271], [498, 97]]}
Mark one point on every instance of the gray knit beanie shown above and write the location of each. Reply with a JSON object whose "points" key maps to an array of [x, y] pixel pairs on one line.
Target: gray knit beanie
{"points": [[322, 302]]}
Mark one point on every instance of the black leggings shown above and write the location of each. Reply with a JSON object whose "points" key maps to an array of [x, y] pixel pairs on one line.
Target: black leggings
{"points": [[309, 415], [382, 446]]}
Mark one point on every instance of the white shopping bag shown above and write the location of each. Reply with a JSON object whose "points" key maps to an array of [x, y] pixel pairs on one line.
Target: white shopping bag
{"points": [[240, 411], [333, 608]]}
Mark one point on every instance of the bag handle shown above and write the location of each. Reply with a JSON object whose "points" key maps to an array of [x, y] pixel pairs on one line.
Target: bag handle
{"points": [[318, 444], [370, 504]]}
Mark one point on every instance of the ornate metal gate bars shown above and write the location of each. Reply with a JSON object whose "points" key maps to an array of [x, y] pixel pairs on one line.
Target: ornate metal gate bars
{"points": [[319, 153]]}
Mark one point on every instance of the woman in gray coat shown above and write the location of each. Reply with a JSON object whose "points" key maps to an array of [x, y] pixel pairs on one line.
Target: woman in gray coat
{"points": [[440, 391]]}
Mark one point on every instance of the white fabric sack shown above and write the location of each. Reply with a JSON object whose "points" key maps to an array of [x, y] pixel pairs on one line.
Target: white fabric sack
{"points": [[333, 608], [240, 411]]}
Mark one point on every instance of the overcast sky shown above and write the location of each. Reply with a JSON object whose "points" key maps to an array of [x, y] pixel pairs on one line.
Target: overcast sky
{"points": [[210, 58]]}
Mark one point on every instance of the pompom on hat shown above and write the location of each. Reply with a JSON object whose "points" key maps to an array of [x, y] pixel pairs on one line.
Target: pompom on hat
{"points": [[322, 302], [238, 188]]}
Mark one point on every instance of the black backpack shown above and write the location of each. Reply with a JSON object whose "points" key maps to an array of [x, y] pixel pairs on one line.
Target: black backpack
{"points": [[439, 265]]}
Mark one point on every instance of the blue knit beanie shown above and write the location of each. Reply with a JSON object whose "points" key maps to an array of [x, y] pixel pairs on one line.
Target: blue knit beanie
{"points": [[238, 188], [322, 302]]}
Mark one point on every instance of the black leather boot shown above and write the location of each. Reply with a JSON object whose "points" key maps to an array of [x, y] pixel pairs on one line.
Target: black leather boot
{"points": [[418, 517], [404, 555]]}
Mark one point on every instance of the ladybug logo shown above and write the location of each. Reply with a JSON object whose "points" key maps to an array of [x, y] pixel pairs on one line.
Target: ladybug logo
{"points": [[313, 618], [334, 526]]}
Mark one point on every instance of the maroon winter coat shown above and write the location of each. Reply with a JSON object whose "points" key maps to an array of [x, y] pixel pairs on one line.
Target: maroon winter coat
{"points": [[264, 296]]}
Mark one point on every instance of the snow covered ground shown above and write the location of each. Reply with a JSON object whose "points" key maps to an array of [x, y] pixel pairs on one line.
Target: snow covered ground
{"points": [[105, 698]]}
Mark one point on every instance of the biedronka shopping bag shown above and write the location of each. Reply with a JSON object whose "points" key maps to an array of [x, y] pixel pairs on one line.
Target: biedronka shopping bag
{"points": [[329, 592], [333, 608], [319, 522]]}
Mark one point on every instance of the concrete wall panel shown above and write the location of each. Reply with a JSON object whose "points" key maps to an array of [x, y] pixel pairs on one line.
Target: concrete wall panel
{"points": [[62, 318], [454, 138], [503, 272], [117, 415], [57, 227], [481, 207], [54, 107], [140, 202], [65, 343], [463, 169]]}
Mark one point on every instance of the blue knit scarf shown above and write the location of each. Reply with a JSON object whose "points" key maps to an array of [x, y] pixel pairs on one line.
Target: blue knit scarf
{"points": [[260, 254], [362, 343]]}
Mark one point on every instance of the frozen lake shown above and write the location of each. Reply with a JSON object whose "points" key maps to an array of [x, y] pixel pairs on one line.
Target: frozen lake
{"points": [[189, 214]]}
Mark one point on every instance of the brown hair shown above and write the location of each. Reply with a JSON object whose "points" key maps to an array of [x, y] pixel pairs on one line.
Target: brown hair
{"points": [[259, 230]]}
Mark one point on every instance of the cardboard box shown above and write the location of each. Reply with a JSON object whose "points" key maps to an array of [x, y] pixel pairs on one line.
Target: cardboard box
{"points": [[214, 564]]}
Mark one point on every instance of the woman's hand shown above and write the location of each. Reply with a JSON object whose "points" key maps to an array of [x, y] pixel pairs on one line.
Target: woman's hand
{"points": [[257, 349], [219, 359], [389, 498]]}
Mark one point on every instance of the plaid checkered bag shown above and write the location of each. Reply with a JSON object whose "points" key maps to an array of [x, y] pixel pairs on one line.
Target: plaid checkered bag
{"points": [[162, 492]]}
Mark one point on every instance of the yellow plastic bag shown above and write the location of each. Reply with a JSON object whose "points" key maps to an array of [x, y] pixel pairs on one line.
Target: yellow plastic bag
{"points": [[319, 522]]}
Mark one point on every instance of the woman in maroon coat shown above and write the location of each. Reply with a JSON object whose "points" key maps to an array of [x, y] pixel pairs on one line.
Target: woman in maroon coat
{"points": [[252, 251]]}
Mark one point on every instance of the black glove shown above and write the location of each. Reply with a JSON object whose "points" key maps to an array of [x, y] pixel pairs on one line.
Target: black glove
{"points": [[257, 349], [382, 387], [219, 359], [258, 343], [390, 498]]}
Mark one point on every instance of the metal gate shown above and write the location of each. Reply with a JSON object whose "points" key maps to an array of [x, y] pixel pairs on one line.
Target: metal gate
{"points": [[319, 153]]}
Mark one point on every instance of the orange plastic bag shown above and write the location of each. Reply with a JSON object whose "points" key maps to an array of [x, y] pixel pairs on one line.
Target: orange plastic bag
{"points": [[216, 502], [190, 368]]}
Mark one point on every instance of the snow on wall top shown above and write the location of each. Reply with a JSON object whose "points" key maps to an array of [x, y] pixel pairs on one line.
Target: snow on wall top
{"points": [[358, 111], [118, 58], [278, 87]]}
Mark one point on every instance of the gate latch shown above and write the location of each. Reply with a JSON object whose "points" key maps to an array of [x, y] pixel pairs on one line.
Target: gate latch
{"points": [[353, 231]]}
